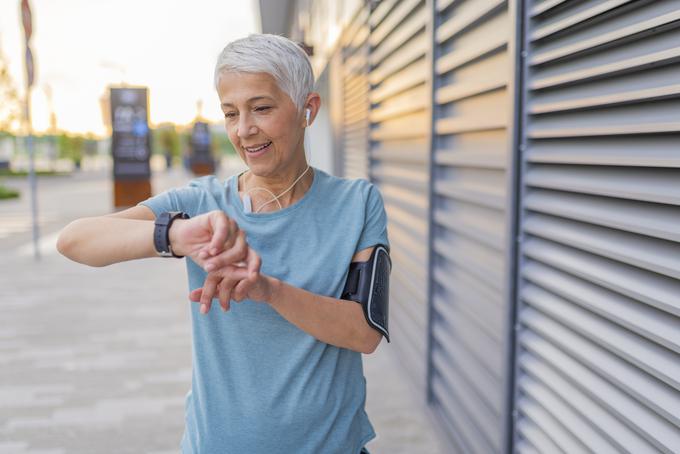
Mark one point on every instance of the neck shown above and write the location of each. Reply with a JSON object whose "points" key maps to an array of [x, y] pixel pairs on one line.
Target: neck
{"points": [[290, 184]]}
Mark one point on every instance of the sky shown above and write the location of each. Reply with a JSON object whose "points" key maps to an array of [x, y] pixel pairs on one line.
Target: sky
{"points": [[82, 46]]}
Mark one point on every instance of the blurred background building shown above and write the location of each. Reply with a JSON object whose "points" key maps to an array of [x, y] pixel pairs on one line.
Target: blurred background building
{"points": [[527, 153]]}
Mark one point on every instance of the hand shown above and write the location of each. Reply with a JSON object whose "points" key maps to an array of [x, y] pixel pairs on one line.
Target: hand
{"points": [[235, 282], [210, 234]]}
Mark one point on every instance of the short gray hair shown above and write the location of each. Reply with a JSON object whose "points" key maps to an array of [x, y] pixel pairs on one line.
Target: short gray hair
{"points": [[275, 55]]}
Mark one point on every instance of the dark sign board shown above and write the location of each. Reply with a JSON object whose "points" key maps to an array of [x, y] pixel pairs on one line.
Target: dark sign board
{"points": [[200, 143], [131, 140]]}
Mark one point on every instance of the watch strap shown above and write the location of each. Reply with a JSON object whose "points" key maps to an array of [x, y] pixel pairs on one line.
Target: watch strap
{"points": [[161, 232]]}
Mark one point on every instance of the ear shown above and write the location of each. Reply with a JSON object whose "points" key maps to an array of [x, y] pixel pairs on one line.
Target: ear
{"points": [[313, 103]]}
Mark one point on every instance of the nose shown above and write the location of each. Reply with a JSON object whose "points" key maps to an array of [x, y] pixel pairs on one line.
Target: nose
{"points": [[245, 127]]}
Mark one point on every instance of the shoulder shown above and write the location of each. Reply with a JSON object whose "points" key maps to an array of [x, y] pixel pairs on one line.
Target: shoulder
{"points": [[355, 189]]}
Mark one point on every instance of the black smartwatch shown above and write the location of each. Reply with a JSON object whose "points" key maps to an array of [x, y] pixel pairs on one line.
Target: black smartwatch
{"points": [[161, 232]]}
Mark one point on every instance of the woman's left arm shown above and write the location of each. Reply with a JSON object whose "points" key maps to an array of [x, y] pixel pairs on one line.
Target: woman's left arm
{"points": [[331, 320], [335, 321]]}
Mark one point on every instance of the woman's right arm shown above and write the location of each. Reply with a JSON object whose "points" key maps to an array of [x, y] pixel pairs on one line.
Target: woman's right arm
{"points": [[113, 238], [128, 235]]}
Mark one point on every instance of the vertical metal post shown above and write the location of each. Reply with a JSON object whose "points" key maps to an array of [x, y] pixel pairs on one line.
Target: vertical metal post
{"points": [[514, 165], [31, 172], [431, 28]]}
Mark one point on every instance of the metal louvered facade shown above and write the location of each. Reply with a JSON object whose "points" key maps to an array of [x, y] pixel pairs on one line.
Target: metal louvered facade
{"points": [[399, 163], [598, 346], [470, 214], [355, 91], [528, 153]]}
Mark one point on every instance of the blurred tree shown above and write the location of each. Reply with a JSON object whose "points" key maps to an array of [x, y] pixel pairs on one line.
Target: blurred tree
{"points": [[221, 144], [10, 103], [166, 141], [71, 148]]}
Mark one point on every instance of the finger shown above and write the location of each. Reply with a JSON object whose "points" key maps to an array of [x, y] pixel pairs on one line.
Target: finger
{"points": [[231, 238], [209, 288], [253, 262], [220, 230], [234, 254], [242, 288], [225, 293], [195, 294]]}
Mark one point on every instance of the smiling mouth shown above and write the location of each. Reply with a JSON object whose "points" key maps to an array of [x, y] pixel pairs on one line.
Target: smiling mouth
{"points": [[257, 148]]}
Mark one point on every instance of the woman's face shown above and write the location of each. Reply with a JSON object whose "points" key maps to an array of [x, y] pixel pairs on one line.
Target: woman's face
{"points": [[262, 122]]}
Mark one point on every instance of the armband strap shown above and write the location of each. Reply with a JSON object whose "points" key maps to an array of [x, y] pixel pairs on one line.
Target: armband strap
{"points": [[368, 283]]}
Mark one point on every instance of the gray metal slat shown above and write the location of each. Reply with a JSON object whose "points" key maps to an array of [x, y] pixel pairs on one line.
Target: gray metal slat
{"points": [[653, 359], [470, 159], [409, 212], [626, 66], [459, 91], [414, 50], [407, 78], [478, 226], [467, 124], [413, 177], [472, 371], [359, 19], [416, 309], [621, 419], [576, 19], [487, 352], [466, 17], [441, 5], [536, 437], [393, 21], [650, 185], [481, 194], [525, 447], [659, 221], [381, 11], [618, 99], [411, 348], [417, 202], [657, 291], [618, 36], [463, 429], [487, 267], [590, 440], [408, 102], [540, 8], [484, 420], [476, 309], [655, 255], [597, 429], [401, 245], [656, 395], [549, 424], [626, 151], [641, 319], [398, 157], [405, 32], [411, 126], [456, 59]]}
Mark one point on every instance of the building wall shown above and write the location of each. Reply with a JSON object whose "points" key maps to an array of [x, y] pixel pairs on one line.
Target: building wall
{"points": [[527, 152]]}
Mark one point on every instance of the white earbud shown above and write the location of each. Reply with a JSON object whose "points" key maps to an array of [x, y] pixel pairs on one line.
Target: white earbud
{"points": [[308, 113]]}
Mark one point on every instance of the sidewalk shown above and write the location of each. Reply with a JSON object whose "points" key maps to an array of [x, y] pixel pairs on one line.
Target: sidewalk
{"points": [[97, 360]]}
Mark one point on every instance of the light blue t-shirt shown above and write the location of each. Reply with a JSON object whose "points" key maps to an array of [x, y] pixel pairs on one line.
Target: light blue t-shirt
{"points": [[260, 385]]}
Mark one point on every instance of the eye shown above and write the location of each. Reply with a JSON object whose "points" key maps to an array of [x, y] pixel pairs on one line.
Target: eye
{"points": [[230, 115], [262, 108]]}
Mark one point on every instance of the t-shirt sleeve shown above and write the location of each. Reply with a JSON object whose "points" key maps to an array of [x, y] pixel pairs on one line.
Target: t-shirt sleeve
{"points": [[375, 221], [175, 199]]}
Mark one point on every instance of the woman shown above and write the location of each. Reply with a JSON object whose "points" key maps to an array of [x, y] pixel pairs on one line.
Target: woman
{"points": [[281, 372]]}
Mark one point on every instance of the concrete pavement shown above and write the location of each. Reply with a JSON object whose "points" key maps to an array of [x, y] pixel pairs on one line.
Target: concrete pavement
{"points": [[97, 360]]}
